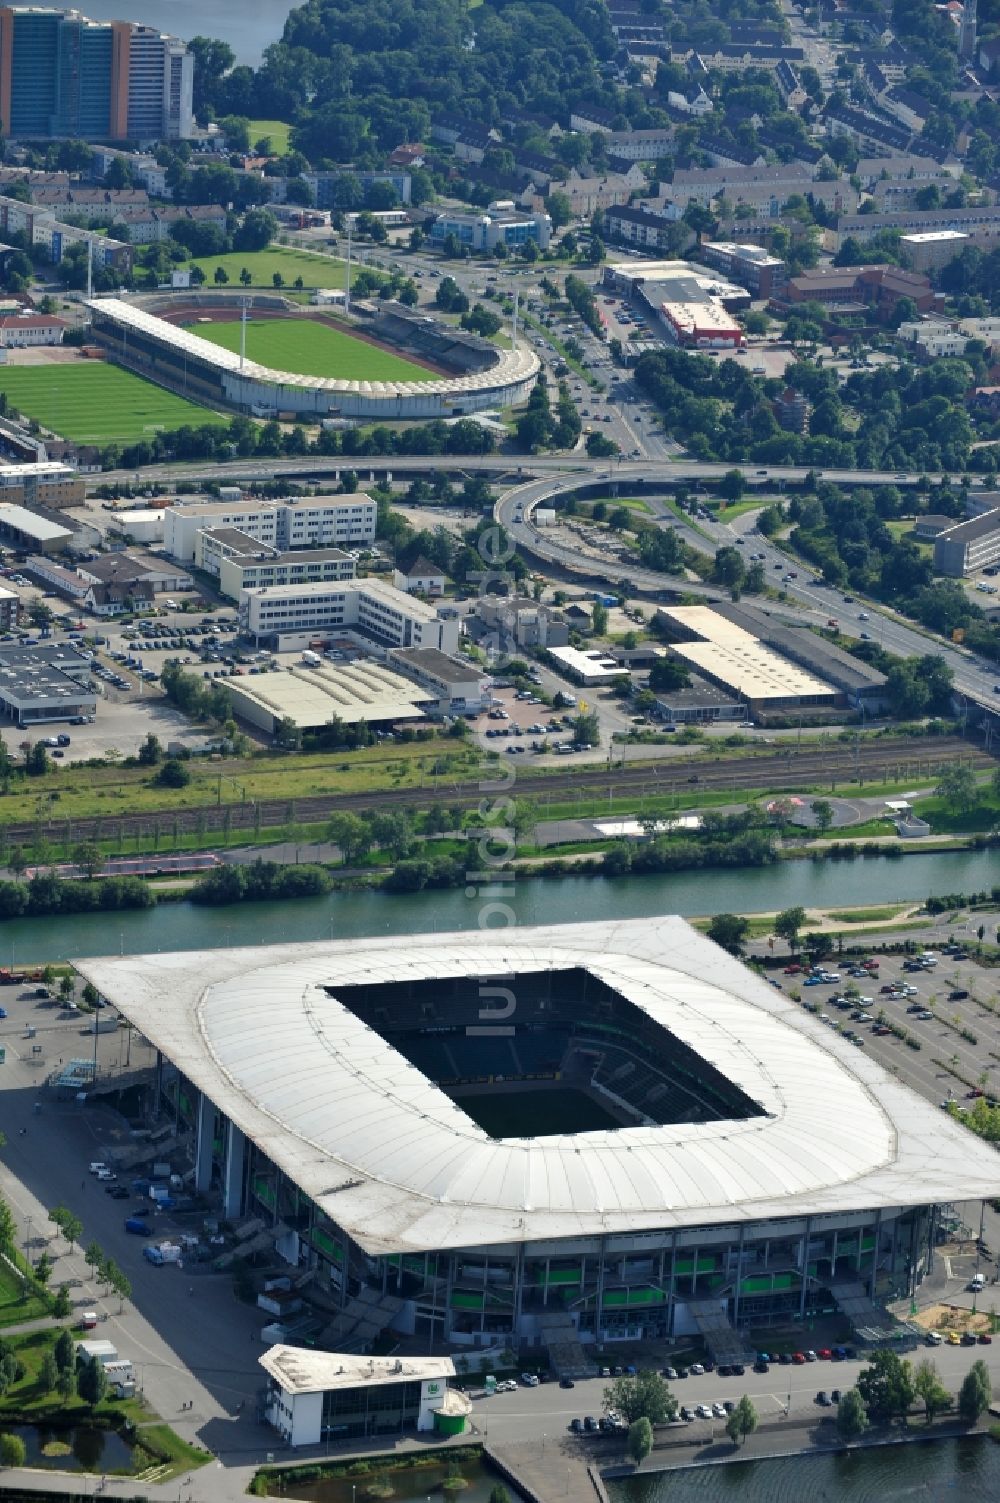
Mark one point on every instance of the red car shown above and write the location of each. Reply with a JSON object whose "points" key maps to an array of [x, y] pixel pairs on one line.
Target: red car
{"points": [[976, 1091], [792, 970], [824, 1354], [799, 1358], [984, 1339]]}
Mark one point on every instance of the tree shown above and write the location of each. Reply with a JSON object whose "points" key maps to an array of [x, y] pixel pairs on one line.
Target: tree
{"points": [[729, 930], [852, 1416], [66, 987], [12, 1451], [392, 830], [957, 786], [822, 812], [151, 751], [36, 763], [64, 1350], [62, 1305], [48, 1373], [886, 1386], [668, 673], [43, 1269], [89, 858], [586, 730], [221, 276], [351, 834], [645, 1396], [976, 1392], [640, 1439], [256, 232], [742, 1421], [173, 774], [499, 1494], [788, 925], [94, 1256], [66, 1384], [928, 1386], [599, 618], [92, 1382]]}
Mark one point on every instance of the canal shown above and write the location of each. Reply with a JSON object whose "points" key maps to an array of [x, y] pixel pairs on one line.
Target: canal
{"points": [[342, 915]]}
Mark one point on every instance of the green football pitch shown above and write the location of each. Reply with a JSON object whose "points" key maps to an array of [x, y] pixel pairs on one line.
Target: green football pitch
{"points": [[94, 403], [313, 349], [536, 1114]]}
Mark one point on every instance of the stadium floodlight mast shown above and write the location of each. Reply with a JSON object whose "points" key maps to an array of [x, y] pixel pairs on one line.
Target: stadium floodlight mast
{"points": [[513, 322], [245, 304], [347, 283]]}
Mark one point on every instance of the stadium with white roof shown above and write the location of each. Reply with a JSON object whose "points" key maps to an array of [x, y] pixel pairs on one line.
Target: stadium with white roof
{"points": [[485, 376], [545, 1137]]}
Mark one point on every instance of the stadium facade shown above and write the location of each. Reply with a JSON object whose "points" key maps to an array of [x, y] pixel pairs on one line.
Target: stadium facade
{"points": [[479, 375], [549, 1136]]}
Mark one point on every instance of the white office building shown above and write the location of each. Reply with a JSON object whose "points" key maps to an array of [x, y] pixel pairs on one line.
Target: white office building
{"points": [[313, 522], [369, 609]]}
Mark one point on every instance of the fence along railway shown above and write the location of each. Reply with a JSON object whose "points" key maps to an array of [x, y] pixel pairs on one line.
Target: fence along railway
{"points": [[896, 760]]}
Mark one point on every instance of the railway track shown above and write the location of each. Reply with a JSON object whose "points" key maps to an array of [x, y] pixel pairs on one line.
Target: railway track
{"points": [[899, 760]]}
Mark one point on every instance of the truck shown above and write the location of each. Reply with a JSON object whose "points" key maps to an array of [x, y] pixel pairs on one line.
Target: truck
{"points": [[161, 1253], [311, 659], [104, 1025], [137, 1226]]}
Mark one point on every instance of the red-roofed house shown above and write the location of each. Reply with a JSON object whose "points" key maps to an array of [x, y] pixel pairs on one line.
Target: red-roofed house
{"points": [[18, 330]]}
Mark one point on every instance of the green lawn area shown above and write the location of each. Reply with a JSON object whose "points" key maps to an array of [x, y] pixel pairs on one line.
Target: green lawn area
{"points": [[278, 130], [84, 791], [93, 402], [15, 1305], [313, 349], [315, 270]]}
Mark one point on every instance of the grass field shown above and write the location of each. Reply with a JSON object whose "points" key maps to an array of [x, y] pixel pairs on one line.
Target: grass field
{"points": [[278, 130], [313, 349], [92, 402], [315, 270], [537, 1114]]}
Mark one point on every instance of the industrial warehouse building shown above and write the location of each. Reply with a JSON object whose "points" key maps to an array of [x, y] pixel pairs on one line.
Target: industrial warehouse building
{"points": [[547, 1137], [314, 695], [45, 683], [767, 666]]}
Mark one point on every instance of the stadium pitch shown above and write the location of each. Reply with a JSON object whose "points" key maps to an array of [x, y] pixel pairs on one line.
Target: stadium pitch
{"points": [[313, 349]]}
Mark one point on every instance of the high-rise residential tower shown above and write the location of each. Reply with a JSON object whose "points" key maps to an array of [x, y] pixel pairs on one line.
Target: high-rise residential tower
{"points": [[62, 74]]}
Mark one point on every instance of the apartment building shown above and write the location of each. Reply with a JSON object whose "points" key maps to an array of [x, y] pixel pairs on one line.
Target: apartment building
{"points": [[969, 545], [314, 522], [62, 74], [373, 611], [982, 224], [753, 266], [763, 188]]}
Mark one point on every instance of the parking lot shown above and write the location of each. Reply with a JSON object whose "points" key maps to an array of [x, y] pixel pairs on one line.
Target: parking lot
{"points": [[950, 1008]]}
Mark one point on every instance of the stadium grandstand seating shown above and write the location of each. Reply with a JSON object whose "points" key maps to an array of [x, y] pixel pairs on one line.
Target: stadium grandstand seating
{"points": [[567, 1026]]}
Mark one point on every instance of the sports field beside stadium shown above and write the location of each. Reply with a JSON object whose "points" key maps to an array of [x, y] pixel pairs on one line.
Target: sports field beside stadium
{"points": [[315, 270], [94, 403], [313, 349]]}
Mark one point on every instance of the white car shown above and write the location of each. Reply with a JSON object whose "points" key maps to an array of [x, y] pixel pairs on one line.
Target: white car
{"points": [[530, 1380], [97, 1166], [696, 1369], [106, 1174], [703, 1411]]}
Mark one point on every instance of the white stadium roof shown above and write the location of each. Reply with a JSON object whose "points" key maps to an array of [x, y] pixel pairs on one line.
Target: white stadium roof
{"points": [[394, 1162], [512, 366]]}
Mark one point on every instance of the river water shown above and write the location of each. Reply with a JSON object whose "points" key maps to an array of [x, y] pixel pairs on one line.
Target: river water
{"points": [[343, 915], [966, 1470], [248, 27]]}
